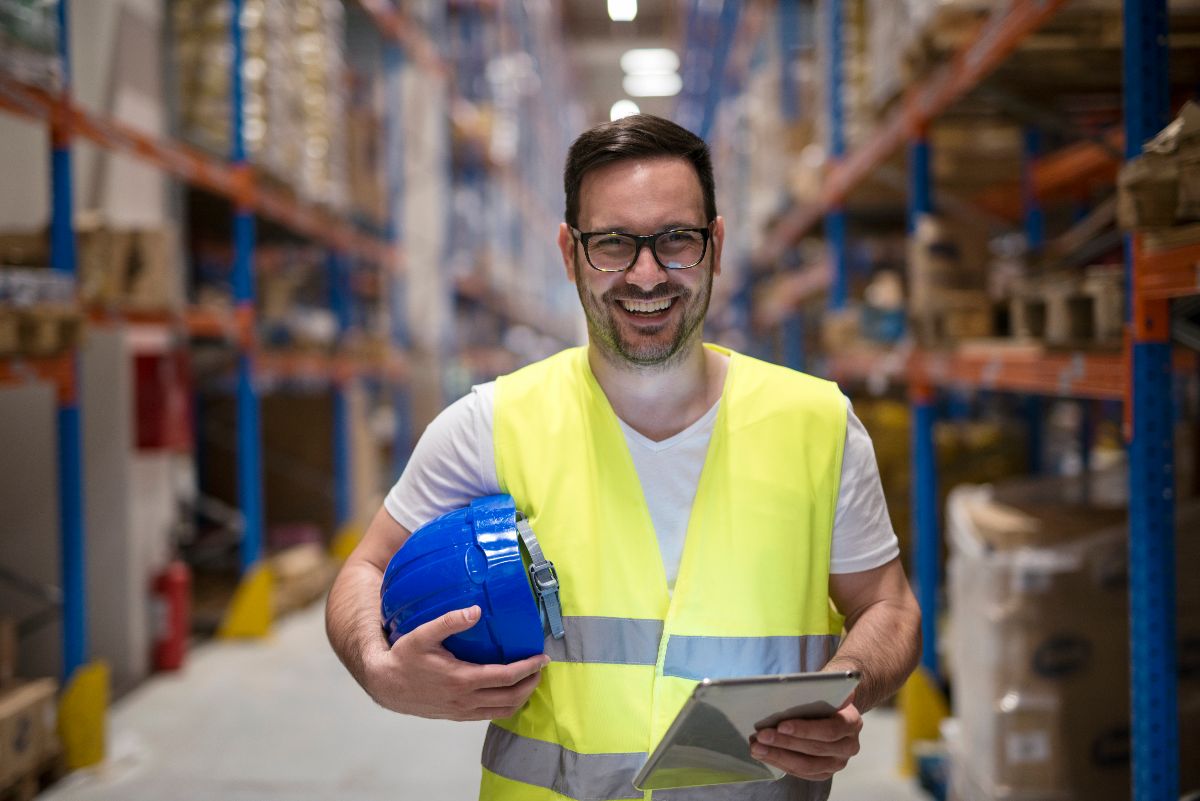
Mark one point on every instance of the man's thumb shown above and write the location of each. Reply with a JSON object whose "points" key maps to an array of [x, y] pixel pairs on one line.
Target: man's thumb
{"points": [[449, 624]]}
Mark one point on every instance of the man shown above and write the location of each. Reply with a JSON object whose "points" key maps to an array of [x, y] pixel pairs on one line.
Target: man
{"points": [[702, 509]]}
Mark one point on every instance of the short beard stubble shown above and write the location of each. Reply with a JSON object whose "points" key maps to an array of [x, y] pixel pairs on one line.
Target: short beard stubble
{"points": [[604, 330]]}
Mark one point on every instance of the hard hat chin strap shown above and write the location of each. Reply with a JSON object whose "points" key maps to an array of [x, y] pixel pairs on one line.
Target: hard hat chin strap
{"points": [[544, 578]]}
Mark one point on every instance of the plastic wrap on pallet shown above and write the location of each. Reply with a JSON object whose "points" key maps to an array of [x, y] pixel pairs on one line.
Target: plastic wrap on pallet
{"points": [[293, 97], [29, 42], [1038, 646]]}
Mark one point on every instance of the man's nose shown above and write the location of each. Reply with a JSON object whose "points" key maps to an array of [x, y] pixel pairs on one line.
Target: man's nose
{"points": [[646, 273]]}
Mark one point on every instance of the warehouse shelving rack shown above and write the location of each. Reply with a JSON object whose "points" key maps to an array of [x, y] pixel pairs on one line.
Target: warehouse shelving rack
{"points": [[1141, 377], [236, 180]]}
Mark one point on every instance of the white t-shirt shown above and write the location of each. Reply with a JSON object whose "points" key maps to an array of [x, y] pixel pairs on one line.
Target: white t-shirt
{"points": [[454, 463]]}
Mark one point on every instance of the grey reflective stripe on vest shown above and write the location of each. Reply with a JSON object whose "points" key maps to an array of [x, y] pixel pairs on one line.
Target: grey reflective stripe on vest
{"points": [[789, 788], [585, 777], [698, 658], [609, 640]]}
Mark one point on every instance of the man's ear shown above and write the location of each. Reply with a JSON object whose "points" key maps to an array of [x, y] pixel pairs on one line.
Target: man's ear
{"points": [[718, 242], [566, 246]]}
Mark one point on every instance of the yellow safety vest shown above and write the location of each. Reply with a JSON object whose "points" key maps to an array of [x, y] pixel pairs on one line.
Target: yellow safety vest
{"points": [[751, 597]]}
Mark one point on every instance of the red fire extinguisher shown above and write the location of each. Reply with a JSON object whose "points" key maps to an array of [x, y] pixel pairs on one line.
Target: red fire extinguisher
{"points": [[172, 601]]}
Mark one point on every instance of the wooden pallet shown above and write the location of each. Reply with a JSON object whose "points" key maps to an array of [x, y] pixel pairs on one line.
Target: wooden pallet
{"points": [[33, 782], [952, 316], [1074, 309], [303, 574]]}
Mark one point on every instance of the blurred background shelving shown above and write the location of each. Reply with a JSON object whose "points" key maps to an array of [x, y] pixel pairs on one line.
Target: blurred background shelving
{"points": [[249, 249]]}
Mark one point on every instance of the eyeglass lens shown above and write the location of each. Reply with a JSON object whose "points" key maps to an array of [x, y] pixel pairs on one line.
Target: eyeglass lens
{"points": [[674, 249]]}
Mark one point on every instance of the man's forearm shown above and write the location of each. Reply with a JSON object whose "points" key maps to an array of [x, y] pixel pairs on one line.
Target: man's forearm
{"points": [[884, 643], [352, 617]]}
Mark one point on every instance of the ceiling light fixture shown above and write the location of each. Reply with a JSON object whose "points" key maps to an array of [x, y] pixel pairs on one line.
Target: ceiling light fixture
{"points": [[623, 108], [663, 85], [622, 10], [649, 61]]}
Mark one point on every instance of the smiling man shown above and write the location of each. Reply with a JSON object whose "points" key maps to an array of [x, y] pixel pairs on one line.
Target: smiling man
{"points": [[703, 510]]}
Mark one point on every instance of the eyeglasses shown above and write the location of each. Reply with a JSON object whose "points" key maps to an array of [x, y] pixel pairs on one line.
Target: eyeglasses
{"points": [[615, 252]]}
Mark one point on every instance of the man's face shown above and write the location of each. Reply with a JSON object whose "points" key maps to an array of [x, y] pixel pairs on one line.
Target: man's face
{"points": [[646, 315]]}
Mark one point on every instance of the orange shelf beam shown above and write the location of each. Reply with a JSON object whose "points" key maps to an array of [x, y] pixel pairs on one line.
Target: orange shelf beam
{"points": [[58, 370], [1168, 273], [197, 168], [1028, 370], [321, 367], [920, 105]]}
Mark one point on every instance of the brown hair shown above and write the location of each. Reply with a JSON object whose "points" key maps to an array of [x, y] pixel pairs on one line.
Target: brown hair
{"points": [[635, 136]]}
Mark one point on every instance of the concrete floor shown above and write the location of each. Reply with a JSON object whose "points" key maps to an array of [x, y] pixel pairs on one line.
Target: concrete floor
{"points": [[282, 721]]}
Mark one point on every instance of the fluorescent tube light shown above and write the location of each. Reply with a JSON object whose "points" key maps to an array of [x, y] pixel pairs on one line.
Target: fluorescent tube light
{"points": [[622, 10], [666, 85], [649, 61], [623, 108]]}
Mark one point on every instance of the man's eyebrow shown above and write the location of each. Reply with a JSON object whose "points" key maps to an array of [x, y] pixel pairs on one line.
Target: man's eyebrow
{"points": [[628, 229]]}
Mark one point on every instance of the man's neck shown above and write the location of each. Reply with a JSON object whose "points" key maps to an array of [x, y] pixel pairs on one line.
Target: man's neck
{"points": [[660, 402]]}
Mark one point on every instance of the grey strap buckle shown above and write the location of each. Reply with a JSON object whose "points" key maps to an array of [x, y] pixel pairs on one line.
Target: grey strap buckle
{"points": [[544, 578]]}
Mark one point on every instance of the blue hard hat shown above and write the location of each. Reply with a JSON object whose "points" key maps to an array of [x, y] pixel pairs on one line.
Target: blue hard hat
{"points": [[484, 554]]}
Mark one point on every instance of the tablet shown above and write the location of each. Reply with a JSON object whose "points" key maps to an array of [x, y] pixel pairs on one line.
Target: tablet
{"points": [[709, 741]]}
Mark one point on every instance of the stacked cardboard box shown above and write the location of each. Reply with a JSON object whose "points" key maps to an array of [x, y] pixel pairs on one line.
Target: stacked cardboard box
{"points": [[29, 42], [1160, 190], [38, 315], [133, 269], [293, 93], [948, 300], [1039, 605]]}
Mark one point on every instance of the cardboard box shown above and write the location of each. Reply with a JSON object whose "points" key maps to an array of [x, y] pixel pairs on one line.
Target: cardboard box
{"points": [[1041, 644], [127, 268], [27, 728]]}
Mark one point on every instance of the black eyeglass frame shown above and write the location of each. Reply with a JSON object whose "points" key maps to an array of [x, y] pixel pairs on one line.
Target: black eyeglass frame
{"points": [[640, 241]]}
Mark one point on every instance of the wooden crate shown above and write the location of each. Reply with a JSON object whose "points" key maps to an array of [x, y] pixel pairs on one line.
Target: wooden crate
{"points": [[27, 736], [10, 331], [47, 330]]}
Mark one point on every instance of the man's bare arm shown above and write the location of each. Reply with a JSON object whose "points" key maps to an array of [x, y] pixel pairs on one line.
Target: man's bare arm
{"points": [[883, 630], [416, 675], [352, 611], [883, 639]]}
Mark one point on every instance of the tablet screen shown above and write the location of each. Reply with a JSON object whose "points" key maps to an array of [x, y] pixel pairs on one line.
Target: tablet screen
{"points": [[709, 741]]}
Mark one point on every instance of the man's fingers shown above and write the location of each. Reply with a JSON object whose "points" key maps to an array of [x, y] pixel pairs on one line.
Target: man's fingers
{"points": [[507, 696], [449, 624], [507, 675], [846, 723], [844, 748], [807, 767]]}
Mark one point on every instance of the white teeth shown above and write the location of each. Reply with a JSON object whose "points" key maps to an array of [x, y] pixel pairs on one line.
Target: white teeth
{"points": [[646, 306]]}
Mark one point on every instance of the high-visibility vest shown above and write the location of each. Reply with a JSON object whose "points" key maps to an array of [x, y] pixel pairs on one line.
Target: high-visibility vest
{"points": [[751, 596]]}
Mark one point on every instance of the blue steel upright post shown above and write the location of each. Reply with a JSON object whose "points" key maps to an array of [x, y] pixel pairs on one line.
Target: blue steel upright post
{"points": [[249, 437], [338, 274], [1035, 236], [73, 564], [835, 220], [393, 62], [1153, 696], [927, 535]]}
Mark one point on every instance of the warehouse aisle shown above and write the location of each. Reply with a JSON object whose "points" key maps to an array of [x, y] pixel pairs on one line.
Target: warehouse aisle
{"points": [[282, 721]]}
